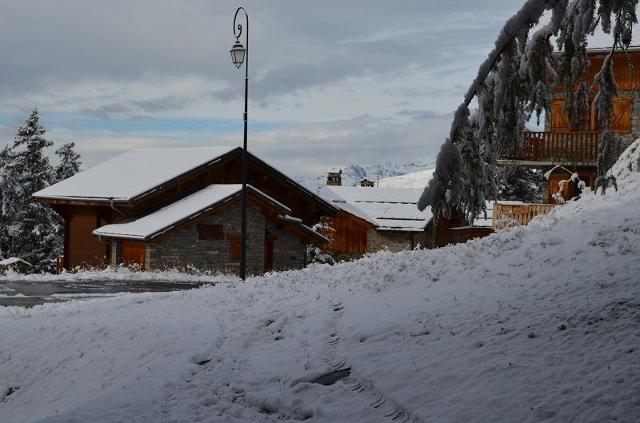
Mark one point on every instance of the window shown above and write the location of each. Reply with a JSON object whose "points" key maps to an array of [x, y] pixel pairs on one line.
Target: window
{"points": [[234, 247], [210, 232]]}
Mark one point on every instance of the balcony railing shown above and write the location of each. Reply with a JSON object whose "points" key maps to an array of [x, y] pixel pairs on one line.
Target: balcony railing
{"points": [[557, 147]]}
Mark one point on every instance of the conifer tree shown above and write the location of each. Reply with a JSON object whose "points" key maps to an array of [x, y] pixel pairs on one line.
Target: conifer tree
{"points": [[37, 226], [517, 183], [69, 162], [8, 193]]}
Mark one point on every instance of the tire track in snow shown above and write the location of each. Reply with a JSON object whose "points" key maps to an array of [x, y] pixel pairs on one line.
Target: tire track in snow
{"points": [[387, 406], [173, 391]]}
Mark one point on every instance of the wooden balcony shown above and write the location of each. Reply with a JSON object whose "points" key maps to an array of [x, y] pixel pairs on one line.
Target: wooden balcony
{"points": [[556, 148]]}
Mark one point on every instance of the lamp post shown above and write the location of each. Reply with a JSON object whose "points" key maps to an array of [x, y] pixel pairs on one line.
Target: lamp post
{"points": [[240, 55]]}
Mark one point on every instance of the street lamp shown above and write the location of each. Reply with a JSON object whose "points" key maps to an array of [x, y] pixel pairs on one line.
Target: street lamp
{"points": [[240, 55]]}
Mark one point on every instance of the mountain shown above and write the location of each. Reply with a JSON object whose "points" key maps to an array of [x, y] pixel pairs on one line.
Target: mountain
{"points": [[417, 179], [353, 173]]}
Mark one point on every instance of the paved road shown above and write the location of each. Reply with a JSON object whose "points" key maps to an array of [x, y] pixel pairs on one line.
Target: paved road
{"points": [[33, 293]]}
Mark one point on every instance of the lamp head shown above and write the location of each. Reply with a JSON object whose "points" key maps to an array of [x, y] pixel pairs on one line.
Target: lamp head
{"points": [[237, 53]]}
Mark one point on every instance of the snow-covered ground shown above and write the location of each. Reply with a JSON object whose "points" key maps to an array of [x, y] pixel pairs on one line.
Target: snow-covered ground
{"points": [[537, 323]]}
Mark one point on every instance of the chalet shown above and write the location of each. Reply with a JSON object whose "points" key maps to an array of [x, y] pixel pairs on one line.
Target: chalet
{"points": [[573, 146], [371, 219], [174, 208], [374, 218]]}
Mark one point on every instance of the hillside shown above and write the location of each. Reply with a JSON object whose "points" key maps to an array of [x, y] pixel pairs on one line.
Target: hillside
{"points": [[353, 173], [418, 179], [537, 323]]}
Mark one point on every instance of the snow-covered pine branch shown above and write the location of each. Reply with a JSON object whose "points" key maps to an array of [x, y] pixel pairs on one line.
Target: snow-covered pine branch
{"points": [[518, 79]]}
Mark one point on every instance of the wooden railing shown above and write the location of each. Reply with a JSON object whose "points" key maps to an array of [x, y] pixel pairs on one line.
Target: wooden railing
{"points": [[510, 214], [557, 147]]}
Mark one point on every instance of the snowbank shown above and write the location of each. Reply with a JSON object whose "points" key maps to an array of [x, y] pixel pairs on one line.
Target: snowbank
{"points": [[118, 274], [536, 323]]}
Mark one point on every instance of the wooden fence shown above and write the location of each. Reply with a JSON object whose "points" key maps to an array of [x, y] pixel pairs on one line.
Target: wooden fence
{"points": [[510, 214]]}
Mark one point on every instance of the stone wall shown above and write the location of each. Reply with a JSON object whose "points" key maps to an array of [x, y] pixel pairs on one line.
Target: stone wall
{"points": [[288, 249], [398, 240], [183, 248]]}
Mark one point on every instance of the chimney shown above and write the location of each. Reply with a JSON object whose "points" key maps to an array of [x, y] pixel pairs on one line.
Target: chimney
{"points": [[334, 177], [366, 183]]}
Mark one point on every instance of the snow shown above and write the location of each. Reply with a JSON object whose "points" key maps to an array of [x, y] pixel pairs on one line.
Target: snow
{"points": [[132, 173], [534, 323], [156, 223], [417, 179], [114, 274], [13, 260], [386, 208]]}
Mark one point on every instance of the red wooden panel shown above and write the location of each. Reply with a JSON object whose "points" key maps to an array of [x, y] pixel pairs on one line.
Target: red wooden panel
{"points": [[83, 248], [134, 253]]}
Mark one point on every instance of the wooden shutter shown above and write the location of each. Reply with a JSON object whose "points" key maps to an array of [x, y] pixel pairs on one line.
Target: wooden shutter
{"points": [[559, 119], [234, 247], [622, 114]]}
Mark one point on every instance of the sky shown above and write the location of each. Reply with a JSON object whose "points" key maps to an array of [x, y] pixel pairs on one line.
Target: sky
{"points": [[331, 82]]}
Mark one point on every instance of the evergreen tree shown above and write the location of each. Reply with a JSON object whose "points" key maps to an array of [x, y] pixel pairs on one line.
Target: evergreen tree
{"points": [[37, 236], [517, 183], [69, 162], [8, 193]]}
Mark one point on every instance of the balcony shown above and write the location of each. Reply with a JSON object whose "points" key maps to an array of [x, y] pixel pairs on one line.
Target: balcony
{"points": [[555, 148]]}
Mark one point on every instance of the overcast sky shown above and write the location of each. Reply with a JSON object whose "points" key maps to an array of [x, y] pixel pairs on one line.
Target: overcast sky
{"points": [[331, 82]]}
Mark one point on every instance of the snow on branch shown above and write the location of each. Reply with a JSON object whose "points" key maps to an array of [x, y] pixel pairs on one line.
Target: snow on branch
{"points": [[518, 79]]}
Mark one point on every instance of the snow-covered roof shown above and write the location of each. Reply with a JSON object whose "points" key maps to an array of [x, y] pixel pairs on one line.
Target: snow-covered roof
{"points": [[386, 208], [188, 208], [133, 173]]}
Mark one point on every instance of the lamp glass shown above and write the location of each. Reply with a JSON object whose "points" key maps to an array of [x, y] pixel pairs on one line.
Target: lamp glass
{"points": [[237, 54]]}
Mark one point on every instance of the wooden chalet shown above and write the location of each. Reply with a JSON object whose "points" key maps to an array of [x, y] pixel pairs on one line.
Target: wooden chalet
{"points": [[161, 208], [574, 145], [376, 218]]}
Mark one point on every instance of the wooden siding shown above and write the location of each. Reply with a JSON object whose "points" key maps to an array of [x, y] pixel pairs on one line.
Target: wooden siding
{"points": [[350, 234], [506, 215], [621, 122], [134, 253], [82, 248], [303, 204], [625, 67]]}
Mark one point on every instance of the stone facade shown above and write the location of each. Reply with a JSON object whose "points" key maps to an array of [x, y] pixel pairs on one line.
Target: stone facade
{"points": [[289, 250], [183, 248], [399, 240]]}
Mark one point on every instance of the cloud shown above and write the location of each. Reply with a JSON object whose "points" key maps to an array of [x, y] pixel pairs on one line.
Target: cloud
{"points": [[330, 81]]}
